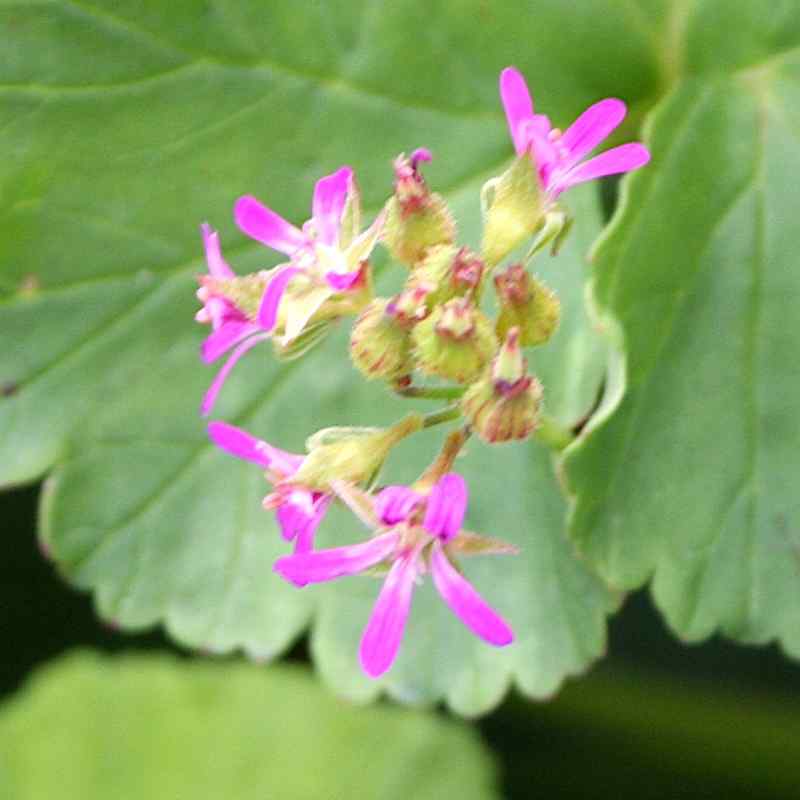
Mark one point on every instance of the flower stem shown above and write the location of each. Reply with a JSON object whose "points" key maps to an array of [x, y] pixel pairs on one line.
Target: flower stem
{"points": [[444, 461], [552, 434], [431, 392], [443, 415]]}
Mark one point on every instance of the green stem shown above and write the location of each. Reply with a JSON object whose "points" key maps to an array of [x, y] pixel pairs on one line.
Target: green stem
{"points": [[444, 461], [431, 392], [443, 415], [553, 434]]}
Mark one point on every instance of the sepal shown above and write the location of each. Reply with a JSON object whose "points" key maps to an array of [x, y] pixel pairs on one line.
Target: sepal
{"points": [[514, 207], [528, 304]]}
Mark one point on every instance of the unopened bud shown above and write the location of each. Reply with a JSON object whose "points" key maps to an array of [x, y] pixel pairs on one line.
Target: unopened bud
{"points": [[513, 209], [354, 457], [504, 405], [448, 271], [380, 343], [526, 303], [416, 218], [455, 342]]}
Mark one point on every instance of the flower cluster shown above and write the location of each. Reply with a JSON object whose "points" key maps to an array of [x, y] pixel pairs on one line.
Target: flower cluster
{"points": [[435, 327]]}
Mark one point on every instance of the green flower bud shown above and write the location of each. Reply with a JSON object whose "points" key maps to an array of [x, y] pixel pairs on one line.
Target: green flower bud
{"points": [[355, 456], [448, 271], [514, 209], [380, 343], [455, 342], [528, 304], [416, 218], [504, 405]]}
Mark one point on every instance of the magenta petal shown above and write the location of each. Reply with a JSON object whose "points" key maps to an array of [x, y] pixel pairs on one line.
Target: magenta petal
{"points": [[394, 503], [342, 281], [326, 565], [518, 105], [330, 197], [304, 542], [265, 226], [225, 337], [466, 603], [591, 128], [294, 512], [419, 155], [384, 632], [213, 390], [273, 293], [619, 159], [447, 504], [239, 443], [216, 263]]}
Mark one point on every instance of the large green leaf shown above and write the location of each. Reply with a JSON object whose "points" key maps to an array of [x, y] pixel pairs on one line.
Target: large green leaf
{"points": [[88, 727], [111, 163], [691, 476]]}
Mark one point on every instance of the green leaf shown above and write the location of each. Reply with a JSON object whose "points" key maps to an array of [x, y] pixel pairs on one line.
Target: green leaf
{"points": [[691, 476], [92, 727], [109, 168]]}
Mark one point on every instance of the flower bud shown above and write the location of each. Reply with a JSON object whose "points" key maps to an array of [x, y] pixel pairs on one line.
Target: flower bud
{"points": [[455, 342], [513, 209], [355, 456], [448, 271], [504, 404], [380, 343], [526, 303], [416, 218]]}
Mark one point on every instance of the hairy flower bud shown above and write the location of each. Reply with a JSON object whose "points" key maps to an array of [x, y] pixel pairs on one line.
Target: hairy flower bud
{"points": [[355, 456], [448, 271], [416, 218], [455, 342], [526, 303], [504, 405], [380, 343], [514, 207]]}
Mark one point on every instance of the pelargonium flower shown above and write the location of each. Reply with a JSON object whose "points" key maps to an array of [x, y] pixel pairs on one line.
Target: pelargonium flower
{"points": [[414, 534], [326, 256], [559, 156], [225, 308], [328, 259], [299, 510]]}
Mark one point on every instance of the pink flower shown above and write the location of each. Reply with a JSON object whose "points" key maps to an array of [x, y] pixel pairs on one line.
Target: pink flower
{"points": [[231, 326], [327, 258], [299, 510], [558, 155], [414, 531], [326, 252]]}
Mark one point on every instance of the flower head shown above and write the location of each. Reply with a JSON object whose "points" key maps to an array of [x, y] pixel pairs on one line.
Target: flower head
{"points": [[559, 156], [328, 259], [298, 509], [416, 533], [327, 255]]}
